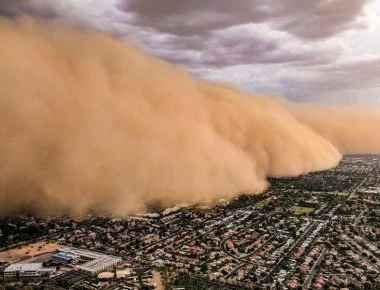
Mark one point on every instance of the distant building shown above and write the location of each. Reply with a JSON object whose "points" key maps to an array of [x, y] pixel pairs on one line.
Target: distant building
{"points": [[121, 274], [65, 258], [27, 270], [106, 275], [95, 262]]}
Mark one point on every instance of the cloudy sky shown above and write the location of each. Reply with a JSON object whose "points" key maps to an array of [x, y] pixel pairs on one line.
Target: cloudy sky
{"points": [[324, 51]]}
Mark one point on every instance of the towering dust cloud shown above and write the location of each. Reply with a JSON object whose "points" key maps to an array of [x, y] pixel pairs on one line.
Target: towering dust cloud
{"points": [[88, 123]]}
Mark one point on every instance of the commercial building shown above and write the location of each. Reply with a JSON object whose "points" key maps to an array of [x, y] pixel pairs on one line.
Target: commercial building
{"points": [[65, 258], [106, 275], [121, 274], [94, 262], [27, 270]]}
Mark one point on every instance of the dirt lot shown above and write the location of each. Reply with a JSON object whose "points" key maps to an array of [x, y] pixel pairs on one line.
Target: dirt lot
{"points": [[157, 279], [27, 251]]}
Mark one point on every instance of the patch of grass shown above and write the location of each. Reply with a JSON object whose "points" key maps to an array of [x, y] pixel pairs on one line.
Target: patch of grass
{"points": [[353, 196], [342, 193], [262, 203], [303, 210]]}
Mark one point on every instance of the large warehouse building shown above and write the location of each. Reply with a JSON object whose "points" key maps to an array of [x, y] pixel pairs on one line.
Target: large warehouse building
{"points": [[95, 262], [27, 270], [65, 258]]}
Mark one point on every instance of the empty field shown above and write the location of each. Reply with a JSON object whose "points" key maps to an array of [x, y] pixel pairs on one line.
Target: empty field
{"points": [[27, 251], [303, 210], [262, 203]]}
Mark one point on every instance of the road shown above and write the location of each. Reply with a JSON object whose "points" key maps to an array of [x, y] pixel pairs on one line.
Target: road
{"points": [[356, 188], [234, 271], [358, 219], [311, 275], [155, 243], [363, 258], [223, 247], [259, 248], [311, 227]]}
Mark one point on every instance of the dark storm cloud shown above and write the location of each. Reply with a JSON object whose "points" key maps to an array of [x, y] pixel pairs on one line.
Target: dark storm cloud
{"points": [[219, 34], [234, 46], [319, 18], [37, 8], [214, 33], [289, 47], [305, 19], [191, 17]]}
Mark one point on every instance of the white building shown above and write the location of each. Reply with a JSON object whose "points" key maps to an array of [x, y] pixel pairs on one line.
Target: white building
{"points": [[65, 258], [96, 262], [121, 274], [27, 270]]}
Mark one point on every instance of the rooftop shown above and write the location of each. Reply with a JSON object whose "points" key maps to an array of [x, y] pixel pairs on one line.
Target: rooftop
{"points": [[97, 261], [23, 267], [65, 255]]}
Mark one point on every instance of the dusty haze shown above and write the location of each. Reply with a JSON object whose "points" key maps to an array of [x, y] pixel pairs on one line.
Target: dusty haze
{"points": [[89, 123]]}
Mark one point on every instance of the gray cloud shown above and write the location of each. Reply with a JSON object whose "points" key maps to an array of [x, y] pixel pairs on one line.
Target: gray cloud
{"points": [[340, 82], [38, 8], [218, 34], [305, 19], [319, 18], [236, 45], [215, 33], [289, 47]]}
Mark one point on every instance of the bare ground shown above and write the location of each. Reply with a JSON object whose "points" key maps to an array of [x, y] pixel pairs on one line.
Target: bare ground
{"points": [[27, 251]]}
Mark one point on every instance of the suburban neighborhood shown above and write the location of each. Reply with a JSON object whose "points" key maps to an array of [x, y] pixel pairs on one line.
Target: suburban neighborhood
{"points": [[317, 231]]}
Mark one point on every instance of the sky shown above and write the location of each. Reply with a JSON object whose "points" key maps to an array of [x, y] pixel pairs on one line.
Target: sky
{"points": [[320, 51]]}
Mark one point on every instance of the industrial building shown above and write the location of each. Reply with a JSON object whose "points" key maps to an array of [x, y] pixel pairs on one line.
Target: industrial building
{"points": [[27, 270], [124, 273], [65, 258], [94, 262]]}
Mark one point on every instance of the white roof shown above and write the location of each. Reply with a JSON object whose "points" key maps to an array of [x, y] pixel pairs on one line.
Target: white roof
{"points": [[98, 261], [123, 273], [105, 275], [99, 264], [22, 267]]}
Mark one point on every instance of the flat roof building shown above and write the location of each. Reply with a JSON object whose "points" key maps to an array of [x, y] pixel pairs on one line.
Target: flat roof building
{"points": [[106, 275], [96, 262], [65, 258], [120, 274], [27, 270]]}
